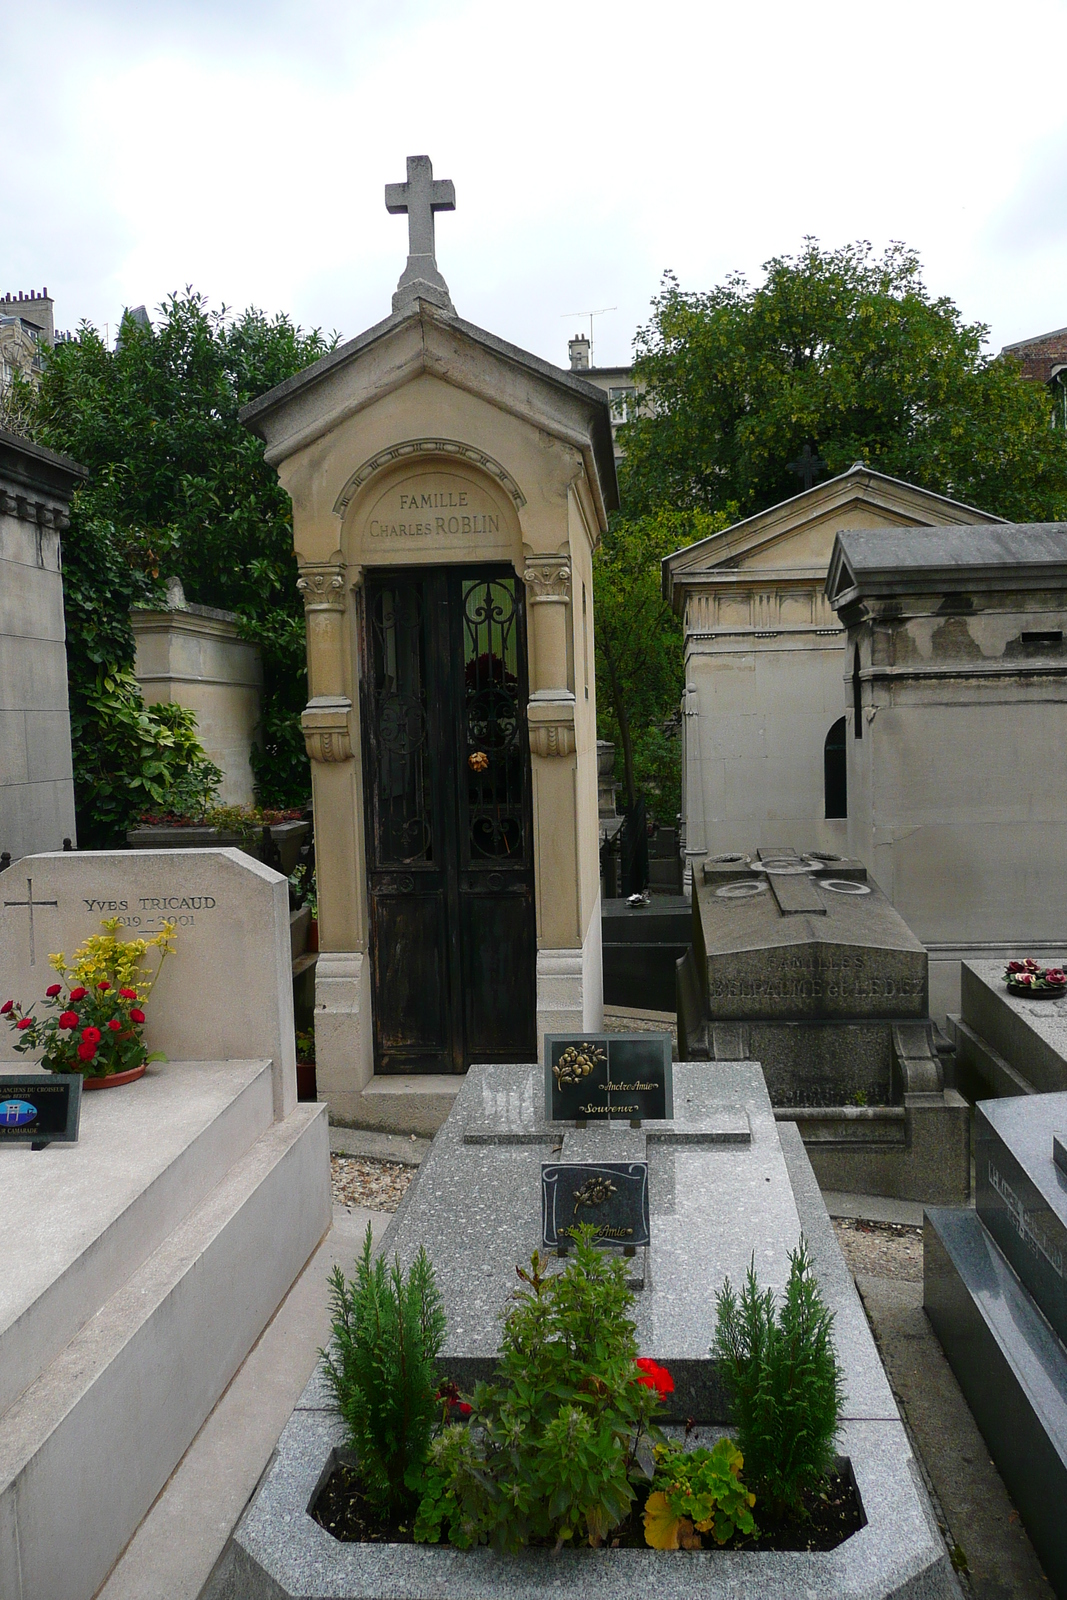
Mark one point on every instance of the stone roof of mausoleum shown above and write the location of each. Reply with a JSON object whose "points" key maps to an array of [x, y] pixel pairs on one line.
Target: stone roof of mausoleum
{"points": [[294, 401], [881, 562], [906, 504]]}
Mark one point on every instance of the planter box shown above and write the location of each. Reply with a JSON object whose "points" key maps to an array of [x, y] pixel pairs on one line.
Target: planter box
{"points": [[288, 837]]}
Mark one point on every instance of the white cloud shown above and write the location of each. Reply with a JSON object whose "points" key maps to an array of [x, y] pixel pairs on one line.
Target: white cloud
{"points": [[243, 147]]}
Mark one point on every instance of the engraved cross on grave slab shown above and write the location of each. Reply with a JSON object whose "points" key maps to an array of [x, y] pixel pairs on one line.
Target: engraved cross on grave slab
{"points": [[29, 903], [420, 197]]}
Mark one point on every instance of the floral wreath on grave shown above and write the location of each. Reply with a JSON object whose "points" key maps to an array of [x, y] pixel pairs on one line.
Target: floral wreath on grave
{"points": [[98, 1017], [1027, 977]]}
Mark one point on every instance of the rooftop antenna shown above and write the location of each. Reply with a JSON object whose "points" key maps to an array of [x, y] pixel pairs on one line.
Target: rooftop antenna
{"points": [[590, 314]]}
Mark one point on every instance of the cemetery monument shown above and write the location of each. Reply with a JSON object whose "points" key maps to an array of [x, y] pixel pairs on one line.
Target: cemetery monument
{"points": [[955, 702], [800, 963], [448, 491], [36, 775], [144, 1260]]}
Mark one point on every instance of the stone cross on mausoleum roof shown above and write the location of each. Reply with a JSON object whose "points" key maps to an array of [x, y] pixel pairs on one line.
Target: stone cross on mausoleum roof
{"points": [[420, 197]]}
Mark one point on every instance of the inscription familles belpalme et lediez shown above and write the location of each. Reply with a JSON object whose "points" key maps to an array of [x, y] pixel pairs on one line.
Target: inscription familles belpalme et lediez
{"points": [[828, 977], [453, 515]]}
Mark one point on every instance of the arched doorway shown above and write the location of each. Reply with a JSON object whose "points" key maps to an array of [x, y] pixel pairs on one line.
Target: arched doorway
{"points": [[835, 772]]}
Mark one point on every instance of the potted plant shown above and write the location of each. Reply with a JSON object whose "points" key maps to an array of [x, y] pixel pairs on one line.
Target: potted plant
{"points": [[1028, 978], [306, 1088], [97, 1021]]}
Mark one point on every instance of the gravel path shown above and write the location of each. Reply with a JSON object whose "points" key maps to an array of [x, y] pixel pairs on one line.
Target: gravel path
{"points": [[881, 1249], [378, 1185]]}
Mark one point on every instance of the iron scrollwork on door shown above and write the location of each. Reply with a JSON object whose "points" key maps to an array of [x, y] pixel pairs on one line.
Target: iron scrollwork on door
{"points": [[403, 794], [495, 772]]}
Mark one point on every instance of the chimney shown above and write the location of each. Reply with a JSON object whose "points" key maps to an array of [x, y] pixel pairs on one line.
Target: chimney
{"points": [[578, 350]]}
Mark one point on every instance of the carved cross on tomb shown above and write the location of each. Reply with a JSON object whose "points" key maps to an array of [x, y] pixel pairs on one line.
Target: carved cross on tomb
{"points": [[30, 902], [807, 466], [420, 197]]}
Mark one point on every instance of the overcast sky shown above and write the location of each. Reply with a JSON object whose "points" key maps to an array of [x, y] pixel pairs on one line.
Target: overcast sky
{"points": [[242, 146]]}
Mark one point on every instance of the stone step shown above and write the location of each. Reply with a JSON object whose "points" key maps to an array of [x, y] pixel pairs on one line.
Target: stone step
{"points": [[407, 1103], [86, 1449], [1020, 1194], [76, 1220]]}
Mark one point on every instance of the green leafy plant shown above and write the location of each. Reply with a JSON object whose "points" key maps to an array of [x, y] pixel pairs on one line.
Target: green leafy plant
{"points": [[305, 1046], [552, 1444], [696, 1492], [783, 1380], [388, 1328], [95, 1028], [128, 755], [178, 484]]}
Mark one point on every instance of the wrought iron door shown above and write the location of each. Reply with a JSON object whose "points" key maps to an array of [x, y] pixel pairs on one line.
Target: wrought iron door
{"points": [[448, 816]]}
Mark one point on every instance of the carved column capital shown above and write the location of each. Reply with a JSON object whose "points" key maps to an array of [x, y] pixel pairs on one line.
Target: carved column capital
{"points": [[326, 732], [322, 585], [550, 718], [548, 578]]}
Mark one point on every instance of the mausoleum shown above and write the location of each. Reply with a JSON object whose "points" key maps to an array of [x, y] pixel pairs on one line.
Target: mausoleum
{"points": [[763, 731], [448, 491], [955, 705]]}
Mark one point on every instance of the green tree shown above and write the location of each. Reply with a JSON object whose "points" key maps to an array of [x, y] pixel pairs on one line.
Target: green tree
{"points": [[179, 486], [640, 670], [850, 353]]}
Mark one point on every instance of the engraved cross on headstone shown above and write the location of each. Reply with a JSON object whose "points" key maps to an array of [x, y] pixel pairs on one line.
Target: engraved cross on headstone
{"points": [[30, 902], [807, 466], [420, 197]]}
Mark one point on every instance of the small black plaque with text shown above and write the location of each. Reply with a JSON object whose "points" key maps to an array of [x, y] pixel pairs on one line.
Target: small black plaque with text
{"points": [[616, 1077], [39, 1108], [611, 1196]]}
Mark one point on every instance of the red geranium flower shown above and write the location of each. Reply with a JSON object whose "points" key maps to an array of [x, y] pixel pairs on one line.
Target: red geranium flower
{"points": [[103, 986], [69, 1019], [86, 1051], [653, 1376], [91, 1035], [128, 994], [8, 1005], [53, 989], [115, 1025], [135, 1015], [24, 1022], [78, 994]]}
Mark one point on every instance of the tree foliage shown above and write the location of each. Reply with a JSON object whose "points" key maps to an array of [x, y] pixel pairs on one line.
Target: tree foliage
{"points": [[179, 486], [640, 671], [850, 353]]}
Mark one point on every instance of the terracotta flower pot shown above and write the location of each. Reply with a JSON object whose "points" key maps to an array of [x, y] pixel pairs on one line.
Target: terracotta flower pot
{"points": [[114, 1079], [306, 1088]]}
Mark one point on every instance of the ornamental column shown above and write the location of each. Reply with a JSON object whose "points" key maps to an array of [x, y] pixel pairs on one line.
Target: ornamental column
{"points": [[551, 710]]}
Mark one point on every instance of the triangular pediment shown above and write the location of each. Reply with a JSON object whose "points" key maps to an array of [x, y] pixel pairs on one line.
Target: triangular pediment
{"points": [[796, 537]]}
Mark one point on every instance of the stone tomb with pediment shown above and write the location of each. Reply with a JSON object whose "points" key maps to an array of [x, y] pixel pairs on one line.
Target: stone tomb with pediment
{"points": [[448, 492], [799, 962]]}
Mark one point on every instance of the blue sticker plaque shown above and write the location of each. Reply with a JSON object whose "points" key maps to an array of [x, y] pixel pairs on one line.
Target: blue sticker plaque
{"points": [[40, 1108]]}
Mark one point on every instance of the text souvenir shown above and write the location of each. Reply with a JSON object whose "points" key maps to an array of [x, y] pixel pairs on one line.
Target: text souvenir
{"points": [[616, 1077]]}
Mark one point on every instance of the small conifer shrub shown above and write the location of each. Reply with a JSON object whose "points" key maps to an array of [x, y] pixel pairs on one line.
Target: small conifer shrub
{"points": [[783, 1381], [388, 1329]]}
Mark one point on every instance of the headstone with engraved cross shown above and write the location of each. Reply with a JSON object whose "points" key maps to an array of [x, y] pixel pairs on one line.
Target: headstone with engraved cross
{"points": [[807, 466], [420, 197]]}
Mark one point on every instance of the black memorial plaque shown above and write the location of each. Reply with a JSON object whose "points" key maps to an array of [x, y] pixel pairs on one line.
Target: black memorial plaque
{"points": [[608, 1077], [611, 1196], [39, 1108]]}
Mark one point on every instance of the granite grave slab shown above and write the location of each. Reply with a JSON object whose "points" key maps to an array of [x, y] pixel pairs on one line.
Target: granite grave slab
{"points": [[1008, 1044], [713, 1208]]}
